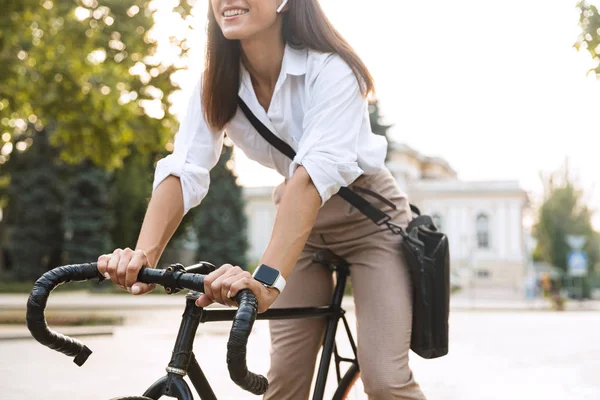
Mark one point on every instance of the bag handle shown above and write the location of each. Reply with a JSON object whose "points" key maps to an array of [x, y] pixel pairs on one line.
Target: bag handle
{"points": [[422, 220], [415, 209], [359, 202]]}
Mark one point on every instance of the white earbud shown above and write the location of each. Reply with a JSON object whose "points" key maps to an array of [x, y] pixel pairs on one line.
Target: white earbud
{"points": [[282, 6]]}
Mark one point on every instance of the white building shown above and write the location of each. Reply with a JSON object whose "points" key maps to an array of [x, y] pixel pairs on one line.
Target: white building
{"points": [[482, 219]]}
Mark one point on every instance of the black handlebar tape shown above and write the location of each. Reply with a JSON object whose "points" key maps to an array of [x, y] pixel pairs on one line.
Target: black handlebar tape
{"points": [[151, 275], [192, 282], [182, 280], [36, 304], [236, 346]]}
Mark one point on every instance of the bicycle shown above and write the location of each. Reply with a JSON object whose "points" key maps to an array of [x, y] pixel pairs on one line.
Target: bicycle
{"points": [[183, 362]]}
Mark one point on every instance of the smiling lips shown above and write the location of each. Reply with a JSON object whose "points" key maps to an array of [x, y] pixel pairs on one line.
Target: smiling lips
{"points": [[234, 12]]}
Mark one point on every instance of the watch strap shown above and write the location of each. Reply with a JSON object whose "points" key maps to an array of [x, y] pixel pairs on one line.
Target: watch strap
{"points": [[279, 283]]}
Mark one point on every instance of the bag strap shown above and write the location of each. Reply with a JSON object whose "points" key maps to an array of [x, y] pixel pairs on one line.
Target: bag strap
{"points": [[379, 197], [359, 202], [265, 132]]}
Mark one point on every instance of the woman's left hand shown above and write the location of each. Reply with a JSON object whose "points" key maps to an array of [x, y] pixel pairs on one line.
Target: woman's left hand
{"points": [[224, 283]]}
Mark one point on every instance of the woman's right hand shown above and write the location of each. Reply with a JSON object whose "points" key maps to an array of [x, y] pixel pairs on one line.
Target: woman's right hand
{"points": [[122, 267]]}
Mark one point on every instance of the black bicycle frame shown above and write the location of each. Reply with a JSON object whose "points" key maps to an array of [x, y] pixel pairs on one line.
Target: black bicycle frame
{"points": [[183, 362]]}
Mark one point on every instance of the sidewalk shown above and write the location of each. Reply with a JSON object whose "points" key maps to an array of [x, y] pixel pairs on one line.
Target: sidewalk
{"points": [[118, 304], [471, 302], [84, 300], [110, 303], [134, 309], [17, 332], [131, 310]]}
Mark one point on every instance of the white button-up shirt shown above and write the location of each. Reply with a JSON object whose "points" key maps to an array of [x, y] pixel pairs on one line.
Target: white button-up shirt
{"points": [[317, 108]]}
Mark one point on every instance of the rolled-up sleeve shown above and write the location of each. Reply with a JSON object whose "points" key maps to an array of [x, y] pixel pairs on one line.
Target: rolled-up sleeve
{"points": [[196, 151], [332, 124]]}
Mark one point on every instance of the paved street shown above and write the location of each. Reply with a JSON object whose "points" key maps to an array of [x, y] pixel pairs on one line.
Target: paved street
{"points": [[494, 355]]}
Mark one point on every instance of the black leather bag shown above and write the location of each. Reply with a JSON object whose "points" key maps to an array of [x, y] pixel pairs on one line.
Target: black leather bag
{"points": [[426, 251], [428, 256]]}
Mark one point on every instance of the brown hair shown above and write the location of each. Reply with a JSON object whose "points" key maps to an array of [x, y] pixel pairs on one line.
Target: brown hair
{"points": [[305, 25]]}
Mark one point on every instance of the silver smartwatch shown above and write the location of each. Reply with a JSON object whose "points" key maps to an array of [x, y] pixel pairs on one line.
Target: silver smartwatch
{"points": [[270, 277]]}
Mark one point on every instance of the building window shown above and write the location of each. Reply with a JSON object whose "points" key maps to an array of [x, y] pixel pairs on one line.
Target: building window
{"points": [[483, 274], [437, 220], [483, 231]]}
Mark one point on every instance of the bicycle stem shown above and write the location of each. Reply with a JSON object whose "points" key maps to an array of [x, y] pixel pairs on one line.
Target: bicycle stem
{"points": [[184, 343]]}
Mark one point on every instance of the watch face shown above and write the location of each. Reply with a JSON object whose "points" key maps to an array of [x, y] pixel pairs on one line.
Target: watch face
{"points": [[266, 275]]}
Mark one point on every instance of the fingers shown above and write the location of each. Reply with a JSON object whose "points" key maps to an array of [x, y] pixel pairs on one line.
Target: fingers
{"points": [[102, 265], [113, 264], [140, 288], [218, 284], [137, 261], [203, 301], [212, 277], [265, 296], [240, 278], [233, 275], [123, 266], [124, 260], [246, 283], [225, 295], [226, 282], [219, 292]]}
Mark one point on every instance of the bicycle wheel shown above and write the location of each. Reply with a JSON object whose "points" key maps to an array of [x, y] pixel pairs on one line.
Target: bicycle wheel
{"points": [[351, 387]]}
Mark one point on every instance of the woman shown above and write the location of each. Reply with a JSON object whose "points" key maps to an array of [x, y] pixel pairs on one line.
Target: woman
{"points": [[304, 82]]}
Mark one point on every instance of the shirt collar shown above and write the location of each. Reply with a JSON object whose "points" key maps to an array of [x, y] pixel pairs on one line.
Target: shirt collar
{"points": [[294, 63]]}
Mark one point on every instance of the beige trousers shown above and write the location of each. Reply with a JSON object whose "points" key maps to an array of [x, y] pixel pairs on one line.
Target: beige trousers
{"points": [[382, 295]]}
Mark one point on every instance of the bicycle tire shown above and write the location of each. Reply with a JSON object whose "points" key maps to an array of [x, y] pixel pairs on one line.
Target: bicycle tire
{"points": [[347, 383]]}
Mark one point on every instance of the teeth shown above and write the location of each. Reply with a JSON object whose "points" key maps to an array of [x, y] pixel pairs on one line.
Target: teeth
{"points": [[231, 13]]}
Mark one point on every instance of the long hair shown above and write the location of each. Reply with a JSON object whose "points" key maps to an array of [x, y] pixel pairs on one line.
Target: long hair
{"points": [[305, 25]]}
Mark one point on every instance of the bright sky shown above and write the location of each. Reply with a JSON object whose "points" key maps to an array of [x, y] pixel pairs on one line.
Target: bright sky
{"points": [[493, 87]]}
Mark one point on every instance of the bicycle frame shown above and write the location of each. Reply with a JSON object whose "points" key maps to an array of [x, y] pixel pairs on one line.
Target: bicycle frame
{"points": [[183, 361]]}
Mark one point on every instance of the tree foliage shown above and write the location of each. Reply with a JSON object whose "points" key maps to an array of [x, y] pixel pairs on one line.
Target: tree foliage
{"points": [[87, 68], [88, 217], [561, 214], [84, 76], [130, 191], [589, 39], [36, 212], [220, 223], [376, 126]]}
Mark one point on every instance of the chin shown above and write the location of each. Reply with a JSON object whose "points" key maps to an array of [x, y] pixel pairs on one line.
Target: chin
{"points": [[237, 32], [234, 34]]}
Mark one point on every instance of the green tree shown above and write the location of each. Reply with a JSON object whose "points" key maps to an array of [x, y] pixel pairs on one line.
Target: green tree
{"points": [[219, 223], [131, 187], [86, 74], [377, 127], [88, 217], [563, 213], [589, 39], [88, 68], [35, 212]]}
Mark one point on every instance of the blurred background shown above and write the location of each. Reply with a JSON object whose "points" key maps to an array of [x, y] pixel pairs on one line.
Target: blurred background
{"points": [[490, 112]]}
